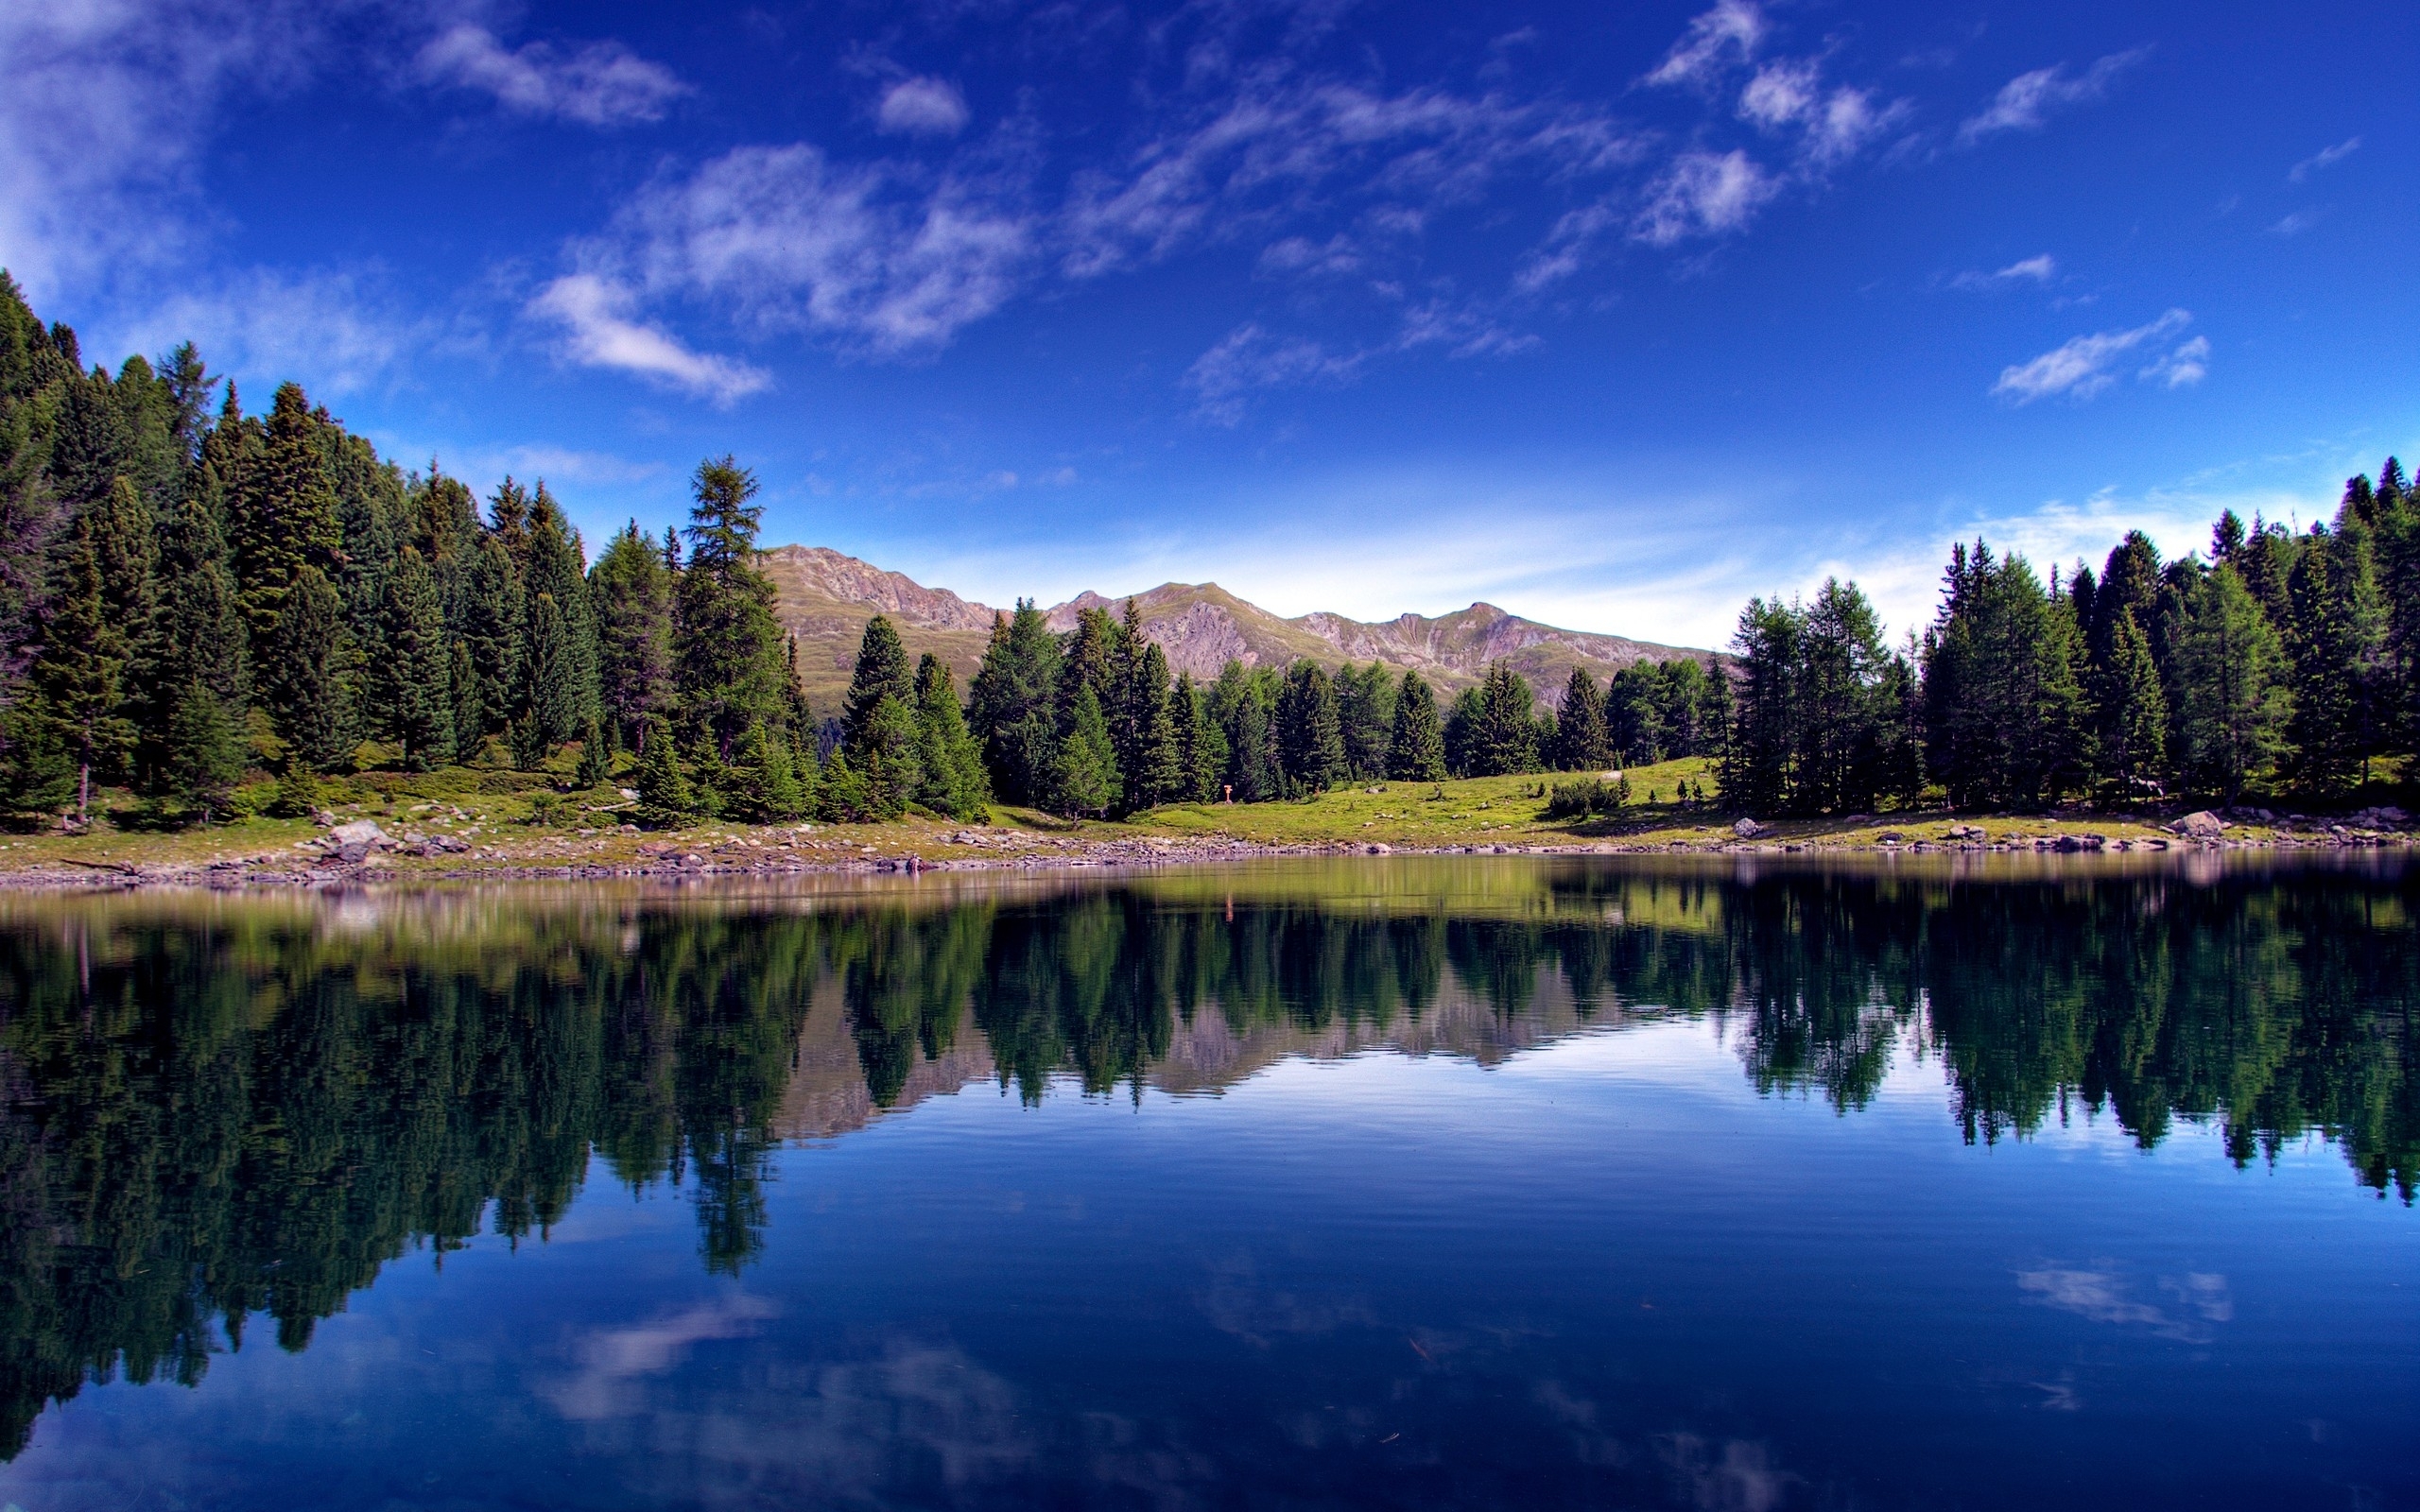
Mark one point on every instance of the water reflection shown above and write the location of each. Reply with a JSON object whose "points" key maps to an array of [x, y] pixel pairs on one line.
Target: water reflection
{"points": [[218, 1110]]}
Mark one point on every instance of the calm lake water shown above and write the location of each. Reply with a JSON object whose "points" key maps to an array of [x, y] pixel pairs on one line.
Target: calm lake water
{"points": [[1491, 1182]]}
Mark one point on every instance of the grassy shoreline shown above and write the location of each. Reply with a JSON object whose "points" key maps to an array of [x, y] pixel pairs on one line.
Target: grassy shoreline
{"points": [[472, 826]]}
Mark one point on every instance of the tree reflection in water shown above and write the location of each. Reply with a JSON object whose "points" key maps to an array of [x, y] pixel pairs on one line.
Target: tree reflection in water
{"points": [[218, 1107]]}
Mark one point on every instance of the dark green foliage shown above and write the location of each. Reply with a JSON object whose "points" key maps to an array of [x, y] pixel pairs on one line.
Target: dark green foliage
{"points": [[1826, 716], [728, 665], [1365, 711], [1580, 742], [307, 669], [1085, 779], [1158, 774], [595, 756], [1310, 737], [1201, 743], [2230, 675], [882, 672], [631, 593], [666, 800], [1503, 737], [549, 668], [414, 677], [884, 757], [764, 782], [2004, 706], [1245, 703], [1589, 799], [282, 509], [843, 797], [77, 683], [555, 569], [195, 691], [1011, 705], [1416, 746], [489, 620], [470, 703], [950, 774]]}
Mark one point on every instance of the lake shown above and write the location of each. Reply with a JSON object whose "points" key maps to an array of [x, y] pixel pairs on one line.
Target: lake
{"points": [[1460, 1182]]}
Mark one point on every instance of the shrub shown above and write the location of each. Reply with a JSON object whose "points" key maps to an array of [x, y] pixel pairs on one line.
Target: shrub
{"points": [[1592, 799]]}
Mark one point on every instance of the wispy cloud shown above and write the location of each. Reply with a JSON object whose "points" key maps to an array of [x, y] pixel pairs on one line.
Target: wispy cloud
{"points": [[2189, 363], [1715, 41], [1704, 194], [2323, 158], [1832, 126], [2080, 367], [1249, 358], [599, 84], [599, 332], [2026, 101], [2297, 222], [923, 106], [2040, 268]]}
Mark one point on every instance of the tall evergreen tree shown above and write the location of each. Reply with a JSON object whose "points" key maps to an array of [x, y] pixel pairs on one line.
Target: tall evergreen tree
{"points": [[2231, 677], [198, 690], [1245, 706], [550, 714], [765, 786], [1159, 772], [415, 678], [1505, 739], [1086, 779], [1012, 708], [78, 679], [1203, 745], [1581, 741], [2004, 703], [1310, 738], [556, 569], [308, 664], [492, 615], [665, 799], [882, 672], [728, 670], [949, 762], [632, 596], [2336, 640], [1416, 746], [469, 702], [282, 511], [2133, 710]]}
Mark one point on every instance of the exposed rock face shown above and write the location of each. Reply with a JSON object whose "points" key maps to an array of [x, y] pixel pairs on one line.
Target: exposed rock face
{"points": [[806, 572]]}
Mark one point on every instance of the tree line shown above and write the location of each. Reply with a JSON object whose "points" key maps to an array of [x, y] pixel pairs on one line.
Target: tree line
{"points": [[2288, 660]]}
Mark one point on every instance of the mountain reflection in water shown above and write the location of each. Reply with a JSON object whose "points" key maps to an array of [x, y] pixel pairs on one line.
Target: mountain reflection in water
{"points": [[213, 1108]]}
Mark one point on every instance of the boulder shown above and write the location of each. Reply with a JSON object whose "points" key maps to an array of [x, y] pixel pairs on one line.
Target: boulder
{"points": [[2386, 816], [1747, 829], [2200, 825], [361, 832], [1378, 850]]}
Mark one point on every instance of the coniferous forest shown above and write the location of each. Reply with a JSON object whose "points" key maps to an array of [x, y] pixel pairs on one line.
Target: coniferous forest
{"points": [[195, 599]]}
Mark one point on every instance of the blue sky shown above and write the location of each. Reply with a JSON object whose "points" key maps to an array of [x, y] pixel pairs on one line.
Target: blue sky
{"points": [[1609, 315]]}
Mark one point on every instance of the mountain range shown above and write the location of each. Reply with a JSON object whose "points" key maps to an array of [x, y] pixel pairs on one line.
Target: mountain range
{"points": [[826, 598]]}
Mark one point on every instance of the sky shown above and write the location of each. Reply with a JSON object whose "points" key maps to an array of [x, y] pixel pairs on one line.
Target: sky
{"points": [[1610, 314]]}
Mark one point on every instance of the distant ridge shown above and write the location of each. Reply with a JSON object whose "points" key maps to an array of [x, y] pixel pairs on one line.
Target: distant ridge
{"points": [[826, 597]]}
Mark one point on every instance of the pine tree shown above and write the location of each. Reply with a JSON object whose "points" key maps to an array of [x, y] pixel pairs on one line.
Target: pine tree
{"points": [[664, 800], [949, 764], [884, 757], [1581, 743], [2132, 710], [765, 787], [556, 569], [415, 677], [307, 667], [632, 596], [882, 672], [1416, 746], [1365, 710], [490, 621], [596, 766], [550, 712], [728, 668], [1506, 739], [2337, 631], [1011, 705], [198, 691], [1203, 745], [1310, 738], [78, 679], [470, 703], [282, 511], [1243, 704], [1086, 779], [2233, 702], [1159, 775]]}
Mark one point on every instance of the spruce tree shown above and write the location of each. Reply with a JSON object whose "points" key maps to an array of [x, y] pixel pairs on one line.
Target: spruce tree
{"points": [[1203, 743], [556, 569], [764, 784], [2337, 632], [470, 703], [550, 712], [1310, 739], [78, 677], [198, 691], [1506, 739], [1580, 726], [1011, 705], [1416, 746], [1159, 775], [1087, 781], [415, 677], [631, 593], [1244, 704], [664, 800], [490, 621], [882, 672], [949, 764], [595, 756], [728, 667], [307, 667], [282, 511], [2233, 703], [2132, 710]]}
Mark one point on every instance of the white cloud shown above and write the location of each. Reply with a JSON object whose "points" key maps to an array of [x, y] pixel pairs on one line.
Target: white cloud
{"points": [[2189, 364], [923, 106], [2025, 102], [601, 83], [2080, 367], [1726, 34], [1789, 95], [1704, 194], [598, 332], [2039, 268], [336, 331], [874, 255], [2297, 222], [1247, 358], [2323, 158]]}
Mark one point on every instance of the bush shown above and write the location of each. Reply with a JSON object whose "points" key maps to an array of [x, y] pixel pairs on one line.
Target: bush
{"points": [[1590, 799]]}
